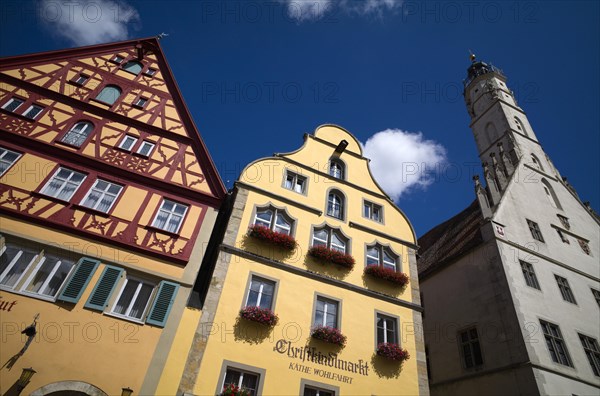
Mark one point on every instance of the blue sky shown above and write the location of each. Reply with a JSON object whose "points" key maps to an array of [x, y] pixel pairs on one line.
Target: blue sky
{"points": [[257, 75]]}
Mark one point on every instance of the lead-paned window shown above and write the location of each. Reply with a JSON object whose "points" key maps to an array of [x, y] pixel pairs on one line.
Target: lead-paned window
{"points": [[387, 329], [242, 379], [133, 299], [275, 219], [596, 294], [556, 345], [326, 312], [529, 275], [536, 233], [170, 216], [102, 195], [260, 293], [7, 159], [63, 184], [78, 133], [470, 348], [563, 237], [592, 351], [565, 289]]}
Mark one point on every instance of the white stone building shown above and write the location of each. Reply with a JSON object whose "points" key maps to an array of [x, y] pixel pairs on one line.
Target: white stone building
{"points": [[511, 285]]}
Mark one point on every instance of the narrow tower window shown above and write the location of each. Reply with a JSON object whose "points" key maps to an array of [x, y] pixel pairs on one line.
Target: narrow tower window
{"points": [[550, 194], [536, 162], [520, 126]]}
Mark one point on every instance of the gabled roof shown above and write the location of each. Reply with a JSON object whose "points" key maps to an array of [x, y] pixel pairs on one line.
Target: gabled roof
{"points": [[150, 45], [448, 241]]}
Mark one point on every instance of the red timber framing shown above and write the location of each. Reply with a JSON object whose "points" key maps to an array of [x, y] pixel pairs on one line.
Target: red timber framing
{"points": [[179, 169]]}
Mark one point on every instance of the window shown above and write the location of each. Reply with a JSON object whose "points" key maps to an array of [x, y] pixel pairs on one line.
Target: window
{"points": [[590, 347], [80, 79], [563, 237], [13, 104], [470, 348], [13, 262], [7, 159], [312, 391], [372, 211], [127, 142], [242, 379], [336, 169], [295, 182], [382, 256], [109, 94], [536, 162], [48, 276], [150, 72], [584, 246], [520, 126], [550, 194], [555, 343], [133, 67], [78, 134], [564, 221], [170, 216], [63, 184], [45, 279], [326, 312], [335, 205], [387, 329], [133, 299], [145, 148], [33, 111], [275, 219], [117, 59], [260, 293], [140, 102], [596, 294], [529, 274], [329, 238], [102, 196], [535, 230], [565, 289]]}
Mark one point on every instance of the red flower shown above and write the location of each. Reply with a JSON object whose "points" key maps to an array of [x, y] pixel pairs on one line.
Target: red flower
{"points": [[392, 351], [387, 274], [233, 390], [265, 234], [260, 315], [331, 255], [329, 334]]}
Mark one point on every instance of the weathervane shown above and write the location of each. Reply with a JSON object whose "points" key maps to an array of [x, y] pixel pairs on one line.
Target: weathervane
{"points": [[162, 35]]}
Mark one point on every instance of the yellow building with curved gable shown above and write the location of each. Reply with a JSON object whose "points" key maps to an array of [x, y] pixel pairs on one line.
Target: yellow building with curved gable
{"points": [[324, 199]]}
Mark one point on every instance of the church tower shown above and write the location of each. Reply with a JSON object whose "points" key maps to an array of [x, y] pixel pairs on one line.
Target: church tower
{"points": [[510, 285]]}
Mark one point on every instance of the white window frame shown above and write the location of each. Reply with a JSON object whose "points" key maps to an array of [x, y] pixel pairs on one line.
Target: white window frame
{"points": [[133, 299], [124, 140], [151, 72], [10, 101], [142, 100], [337, 169], [369, 209], [295, 181], [242, 372], [102, 193], [78, 131], [3, 152], [262, 282], [12, 264], [117, 59], [81, 79], [145, 143], [318, 390], [170, 214], [34, 272], [32, 107], [64, 183], [331, 202], [329, 241], [326, 301], [273, 221], [381, 261], [385, 336]]}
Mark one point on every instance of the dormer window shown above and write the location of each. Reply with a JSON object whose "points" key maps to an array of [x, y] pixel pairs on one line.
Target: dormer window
{"points": [[336, 169]]}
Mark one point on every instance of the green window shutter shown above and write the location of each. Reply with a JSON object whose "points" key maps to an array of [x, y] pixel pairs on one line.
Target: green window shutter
{"points": [[104, 288], [162, 303], [79, 280]]}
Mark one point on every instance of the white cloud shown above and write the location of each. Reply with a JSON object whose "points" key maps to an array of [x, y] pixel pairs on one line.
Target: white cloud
{"points": [[311, 10], [401, 161], [86, 22]]}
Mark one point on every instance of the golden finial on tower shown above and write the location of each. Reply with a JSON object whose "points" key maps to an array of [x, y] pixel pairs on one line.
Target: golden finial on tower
{"points": [[472, 56]]}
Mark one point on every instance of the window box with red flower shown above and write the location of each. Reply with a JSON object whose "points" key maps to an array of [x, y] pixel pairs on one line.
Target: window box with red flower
{"points": [[392, 351], [329, 334], [233, 390], [323, 253], [388, 274], [267, 235], [261, 315]]}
